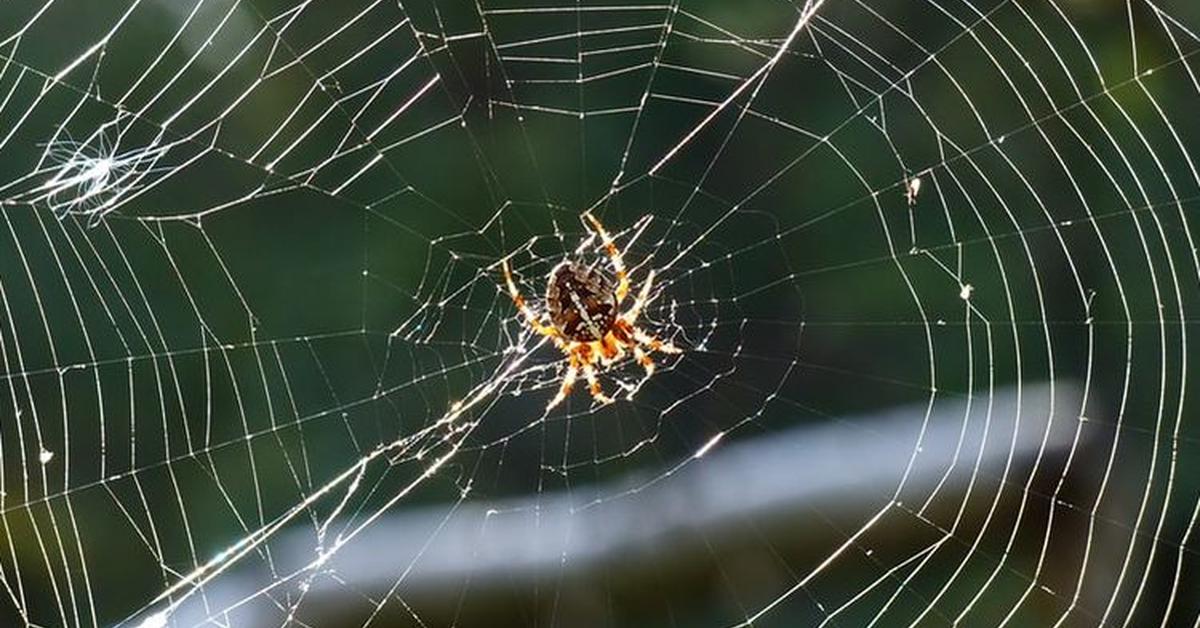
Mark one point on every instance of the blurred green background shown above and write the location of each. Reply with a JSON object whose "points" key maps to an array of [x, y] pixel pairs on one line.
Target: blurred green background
{"points": [[260, 315]]}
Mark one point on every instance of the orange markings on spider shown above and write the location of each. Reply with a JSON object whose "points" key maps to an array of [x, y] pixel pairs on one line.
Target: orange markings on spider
{"points": [[585, 321]]}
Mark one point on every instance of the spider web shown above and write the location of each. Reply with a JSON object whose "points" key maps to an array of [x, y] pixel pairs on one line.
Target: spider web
{"points": [[260, 368]]}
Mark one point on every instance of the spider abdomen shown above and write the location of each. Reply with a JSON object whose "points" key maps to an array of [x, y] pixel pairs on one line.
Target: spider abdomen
{"points": [[582, 302]]}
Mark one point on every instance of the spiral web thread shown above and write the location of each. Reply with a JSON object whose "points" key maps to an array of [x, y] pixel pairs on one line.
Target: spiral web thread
{"points": [[251, 289]]}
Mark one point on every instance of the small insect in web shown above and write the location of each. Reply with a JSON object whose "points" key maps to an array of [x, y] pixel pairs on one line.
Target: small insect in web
{"points": [[911, 189], [585, 321]]}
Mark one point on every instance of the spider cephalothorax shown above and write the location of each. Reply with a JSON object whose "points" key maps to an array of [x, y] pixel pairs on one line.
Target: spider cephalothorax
{"points": [[585, 319]]}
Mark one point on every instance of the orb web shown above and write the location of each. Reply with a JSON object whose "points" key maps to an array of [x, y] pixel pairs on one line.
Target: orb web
{"points": [[930, 265]]}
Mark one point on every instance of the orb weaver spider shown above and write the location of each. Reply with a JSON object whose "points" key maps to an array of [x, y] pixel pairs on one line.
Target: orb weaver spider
{"points": [[585, 321]]}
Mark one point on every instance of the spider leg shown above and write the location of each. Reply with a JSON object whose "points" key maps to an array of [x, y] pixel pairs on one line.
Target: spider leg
{"points": [[615, 255], [636, 309], [567, 384], [530, 317], [654, 344], [645, 360], [589, 372], [608, 349]]}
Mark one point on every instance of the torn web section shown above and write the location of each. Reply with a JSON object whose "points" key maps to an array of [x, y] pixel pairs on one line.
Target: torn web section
{"points": [[292, 99], [159, 283]]}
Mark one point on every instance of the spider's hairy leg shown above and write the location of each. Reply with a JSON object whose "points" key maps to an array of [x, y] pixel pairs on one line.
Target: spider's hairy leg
{"points": [[645, 360], [608, 348], [530, 316], [614, 254], [654, 344], [636, 309], [567, 384], [589, 372]]}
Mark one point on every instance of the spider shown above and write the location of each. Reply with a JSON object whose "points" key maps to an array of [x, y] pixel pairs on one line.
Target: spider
{"points": [[586, 323]]}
